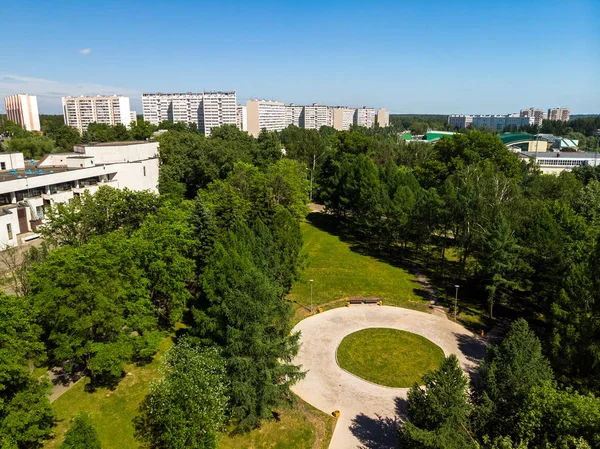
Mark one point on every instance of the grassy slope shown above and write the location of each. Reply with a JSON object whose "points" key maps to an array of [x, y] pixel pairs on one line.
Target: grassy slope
{"points": [[368, 354], [338, 273]]}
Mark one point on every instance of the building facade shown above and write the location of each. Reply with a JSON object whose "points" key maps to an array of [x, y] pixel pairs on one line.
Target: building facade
{"points": [[206, 110], [499, 122], [342, 118], [364, 117], [23, 110], [294, 115], [562, 114], [218, 108], [27, 190], [241, 117], [315, 116], [383, 118], [79, 112], [537, 114], [460, 121], [265, 114]]}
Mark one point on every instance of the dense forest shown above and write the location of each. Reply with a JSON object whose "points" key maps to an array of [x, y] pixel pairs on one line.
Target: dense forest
{"points": [[214, 254]]}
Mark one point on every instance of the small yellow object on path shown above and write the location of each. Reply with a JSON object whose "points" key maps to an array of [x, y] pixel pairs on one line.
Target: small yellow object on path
{"points": [[336, 413]]}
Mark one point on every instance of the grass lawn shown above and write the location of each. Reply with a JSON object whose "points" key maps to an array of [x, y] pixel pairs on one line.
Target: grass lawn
{"points": [[112, 412], [388, 357], [339, 272]]}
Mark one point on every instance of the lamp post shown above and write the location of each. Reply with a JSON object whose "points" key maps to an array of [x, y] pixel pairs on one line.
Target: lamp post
{"points": [[311, 284], [597, 133], [456, 300]]}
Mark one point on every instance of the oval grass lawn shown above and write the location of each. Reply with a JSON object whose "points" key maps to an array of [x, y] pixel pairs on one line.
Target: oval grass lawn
{"points": [[388, 357]]}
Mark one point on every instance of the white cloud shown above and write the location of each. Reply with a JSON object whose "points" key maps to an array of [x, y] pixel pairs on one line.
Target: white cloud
{"points": [[49, 92], [85, 51]]}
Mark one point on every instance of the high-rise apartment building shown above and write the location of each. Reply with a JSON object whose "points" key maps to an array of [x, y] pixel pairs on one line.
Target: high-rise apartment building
{"points": [[364, 117], [342, 118], [537, 114], [176, 107], [133, 115], [562, 114], [218, 108], [23, 110], [315, 116], [265, 114], [79, 112], [241, 118], [460, 121], [205, 109], [294, 115], [383, 118]]}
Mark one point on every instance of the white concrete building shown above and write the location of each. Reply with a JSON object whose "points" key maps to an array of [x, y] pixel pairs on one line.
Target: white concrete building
{"points": [[383, 118], [23, 110], [538, 115], [218, 108], [133, 115], [342, 118], [28, 189], [176, 107], [365, 117], [205, 109], [265, 114], [79, 112], [315, 116], [460, 121], [241, 117], [294, 115], [556, 162], [499, 122]]}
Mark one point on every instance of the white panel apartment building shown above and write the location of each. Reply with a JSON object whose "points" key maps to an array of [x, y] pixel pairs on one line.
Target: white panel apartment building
{"points": [[315, 116], [342, 118], [460, 121], [79, 112], [294, 115], [562, 114], [265, 114], [23, 110], [241, 117], [365, 117], [206, 109], [538, 115], [26, 190]]}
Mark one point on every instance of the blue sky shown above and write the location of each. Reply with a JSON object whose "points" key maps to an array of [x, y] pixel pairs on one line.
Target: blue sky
{"points": [[409, 57]]}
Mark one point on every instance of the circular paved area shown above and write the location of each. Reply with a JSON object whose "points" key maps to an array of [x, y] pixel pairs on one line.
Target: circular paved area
{"points": [[368, 411]]}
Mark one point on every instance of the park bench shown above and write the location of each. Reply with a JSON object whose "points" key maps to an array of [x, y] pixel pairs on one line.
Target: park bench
{"points": [[371, 301], [355, 301]]}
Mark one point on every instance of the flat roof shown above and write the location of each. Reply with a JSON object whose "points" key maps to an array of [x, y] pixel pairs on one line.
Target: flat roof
{"points": [[113, 144], [562, 154], [6, 176]]}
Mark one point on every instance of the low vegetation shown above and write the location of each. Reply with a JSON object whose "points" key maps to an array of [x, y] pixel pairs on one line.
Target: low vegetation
{"points": [[389, 357]]}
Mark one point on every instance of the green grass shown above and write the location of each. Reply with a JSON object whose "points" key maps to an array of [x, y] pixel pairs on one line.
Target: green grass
{"points": [[339, 273], [388, 357], [112, 412]]}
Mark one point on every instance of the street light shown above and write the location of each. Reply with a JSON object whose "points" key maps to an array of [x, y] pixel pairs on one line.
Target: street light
{"points": [[311, 284], [455, 300]]}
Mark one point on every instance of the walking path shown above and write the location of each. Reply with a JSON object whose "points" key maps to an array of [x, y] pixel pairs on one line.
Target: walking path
{"points": [[369, 412]]}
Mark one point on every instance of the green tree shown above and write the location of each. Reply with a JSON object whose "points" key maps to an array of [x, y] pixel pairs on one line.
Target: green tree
{"points": [[289, 185], [32, 146], [187, 407], [81, 434], [505, 378], [94, 305], [438, 414], [241, 309]]}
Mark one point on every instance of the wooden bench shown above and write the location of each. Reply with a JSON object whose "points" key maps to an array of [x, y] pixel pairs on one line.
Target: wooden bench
{"points": [[371, 301], [355, 301]]}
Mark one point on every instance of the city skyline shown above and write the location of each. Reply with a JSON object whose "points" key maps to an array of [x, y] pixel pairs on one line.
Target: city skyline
{"points": [[430, 58]]}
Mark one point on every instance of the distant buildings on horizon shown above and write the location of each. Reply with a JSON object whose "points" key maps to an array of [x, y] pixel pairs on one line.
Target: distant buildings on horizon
{"points": [[526, 117], [23, 110]]}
